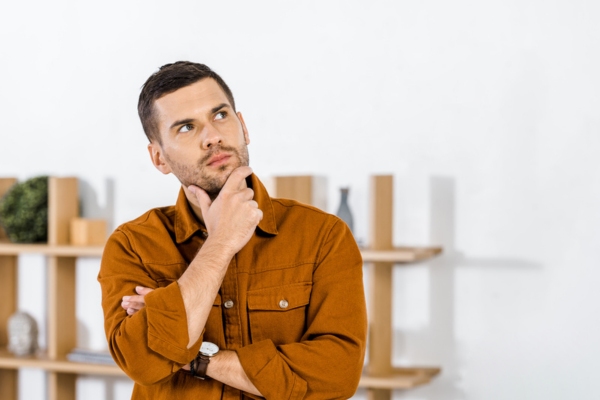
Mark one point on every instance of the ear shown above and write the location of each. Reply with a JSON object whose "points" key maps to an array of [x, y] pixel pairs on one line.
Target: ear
{"points": [[157, 158], [246, 136]]}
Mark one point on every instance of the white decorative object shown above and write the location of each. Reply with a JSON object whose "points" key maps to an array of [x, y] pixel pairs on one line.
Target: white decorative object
{"points": [[22, 334]]}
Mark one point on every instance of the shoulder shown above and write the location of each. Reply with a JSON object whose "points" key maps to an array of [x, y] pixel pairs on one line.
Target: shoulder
{"points": [[157, 221], [287, 208], [289, 205], [303, 220]]}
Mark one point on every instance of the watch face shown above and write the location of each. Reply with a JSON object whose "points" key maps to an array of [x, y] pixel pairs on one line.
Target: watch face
{"points": [[209, 349]]}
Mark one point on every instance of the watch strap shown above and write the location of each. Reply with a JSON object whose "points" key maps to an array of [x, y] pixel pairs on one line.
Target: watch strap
{"points": [[201, 365]]}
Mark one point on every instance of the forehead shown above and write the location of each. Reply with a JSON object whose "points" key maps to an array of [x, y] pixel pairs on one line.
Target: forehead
{"points": [[189, 102]]}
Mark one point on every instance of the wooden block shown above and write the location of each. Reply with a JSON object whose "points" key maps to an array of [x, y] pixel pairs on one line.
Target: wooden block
{"points": [[88, 232], [5, 184], [63, 206], [306, 189]]}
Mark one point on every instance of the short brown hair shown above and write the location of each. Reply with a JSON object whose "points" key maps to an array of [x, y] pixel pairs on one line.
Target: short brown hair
{"points": [[169, 78]]}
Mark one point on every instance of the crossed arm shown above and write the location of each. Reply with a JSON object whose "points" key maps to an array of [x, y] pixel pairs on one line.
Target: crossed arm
{"points": [[325, 363], [230, 220], [224, 367]]}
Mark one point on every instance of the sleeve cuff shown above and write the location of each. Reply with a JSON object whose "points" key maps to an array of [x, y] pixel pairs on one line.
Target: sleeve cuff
{"points": [[261, 363], [167, 325]]}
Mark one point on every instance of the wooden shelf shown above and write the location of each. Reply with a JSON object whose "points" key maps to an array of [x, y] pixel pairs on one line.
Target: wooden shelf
{"points": [[13, 249], [61, 324], [400, 254], [400, 378], [380, 377], [397, 255], [42, 361]]}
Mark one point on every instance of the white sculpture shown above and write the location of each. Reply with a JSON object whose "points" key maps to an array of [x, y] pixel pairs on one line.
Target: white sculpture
{"points": [[22, 334]]}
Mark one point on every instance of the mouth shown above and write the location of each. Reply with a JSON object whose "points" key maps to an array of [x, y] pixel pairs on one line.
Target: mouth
{"points": [[218, 159]]}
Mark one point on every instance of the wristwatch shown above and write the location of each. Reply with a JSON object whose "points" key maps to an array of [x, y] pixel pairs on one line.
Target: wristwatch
{"points": [[199, 364]]}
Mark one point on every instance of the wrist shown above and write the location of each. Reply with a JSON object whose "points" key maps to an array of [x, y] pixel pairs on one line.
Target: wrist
{"points": [[218, 248], [216, 362], [200, 364]]}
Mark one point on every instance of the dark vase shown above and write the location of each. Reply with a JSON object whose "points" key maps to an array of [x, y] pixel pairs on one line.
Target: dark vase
{"points": [[344, 210]]}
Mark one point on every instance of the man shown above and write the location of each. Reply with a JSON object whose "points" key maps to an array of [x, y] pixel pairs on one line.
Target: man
{"points": [[229, 294]]}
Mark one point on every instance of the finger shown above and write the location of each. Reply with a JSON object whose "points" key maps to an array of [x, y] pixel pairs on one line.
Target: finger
{"points": [[137, 306], [203, 199], [236, 180], [133, 304], [248, 194], [136, 299]]}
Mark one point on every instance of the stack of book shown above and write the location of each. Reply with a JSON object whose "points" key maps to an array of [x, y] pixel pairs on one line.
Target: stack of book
{"points": [[90, 356]]}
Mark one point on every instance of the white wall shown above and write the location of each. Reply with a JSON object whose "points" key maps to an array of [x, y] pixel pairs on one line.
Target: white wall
{"points": [[486, 113]]}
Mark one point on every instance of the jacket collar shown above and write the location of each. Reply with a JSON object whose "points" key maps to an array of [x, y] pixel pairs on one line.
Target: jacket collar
{"points": [[186, 224]]}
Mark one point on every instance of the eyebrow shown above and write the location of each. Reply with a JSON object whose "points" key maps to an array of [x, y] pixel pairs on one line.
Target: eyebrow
{"points": [[217, 108], [190, 120]]}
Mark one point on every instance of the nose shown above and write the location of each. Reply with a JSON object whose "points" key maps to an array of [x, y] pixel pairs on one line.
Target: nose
{"points": [[210, 137]]}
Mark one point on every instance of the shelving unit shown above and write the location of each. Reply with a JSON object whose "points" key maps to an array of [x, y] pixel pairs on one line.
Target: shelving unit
{"points": [[63, 204], [380, 377]]}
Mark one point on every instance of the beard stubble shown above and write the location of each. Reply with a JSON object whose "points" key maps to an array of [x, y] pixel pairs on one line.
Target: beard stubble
{"points": [[198, 175]]}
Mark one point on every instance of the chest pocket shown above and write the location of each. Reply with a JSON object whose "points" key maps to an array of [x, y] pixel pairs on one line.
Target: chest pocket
{"points": [[278, 313]]}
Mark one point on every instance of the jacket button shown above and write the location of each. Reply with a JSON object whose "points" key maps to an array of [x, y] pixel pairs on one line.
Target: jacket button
{"points": [[283, 304], [228, 304]]}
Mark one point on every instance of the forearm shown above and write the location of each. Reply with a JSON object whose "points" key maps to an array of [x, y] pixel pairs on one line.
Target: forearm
{"points": [[225, 367], [330, 366], [146, 348], [200, 284]]}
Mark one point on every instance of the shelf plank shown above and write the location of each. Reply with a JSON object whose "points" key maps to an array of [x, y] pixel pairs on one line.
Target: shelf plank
{"points": [[63, 206], [8, 248], [61, 386], [400, 254], [397, 255], [8, 294], [401, 378], [42, 361], [8, 384], [62, 325], [5, 185]]}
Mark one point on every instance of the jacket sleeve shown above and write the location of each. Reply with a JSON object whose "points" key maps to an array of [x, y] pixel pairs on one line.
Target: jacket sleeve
{"points": [[328, 361], [151, 344]]}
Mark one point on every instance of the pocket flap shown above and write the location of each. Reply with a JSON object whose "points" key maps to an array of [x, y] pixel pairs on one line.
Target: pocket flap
{"points": [[280, 298]]}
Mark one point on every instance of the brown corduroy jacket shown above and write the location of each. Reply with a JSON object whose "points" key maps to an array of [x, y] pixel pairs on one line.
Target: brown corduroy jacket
{"points": [[291, 304]]}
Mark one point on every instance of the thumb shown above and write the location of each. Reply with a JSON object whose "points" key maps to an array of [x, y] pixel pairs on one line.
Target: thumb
{"points": [[142, 291], [203, 199]]}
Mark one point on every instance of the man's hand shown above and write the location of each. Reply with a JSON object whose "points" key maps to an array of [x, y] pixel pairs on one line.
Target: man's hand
{"points": [[133, 304], [232, 217]]}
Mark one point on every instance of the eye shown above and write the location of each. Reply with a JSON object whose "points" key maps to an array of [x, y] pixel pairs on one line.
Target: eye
{"points": [[186, 128], [221, 115]]}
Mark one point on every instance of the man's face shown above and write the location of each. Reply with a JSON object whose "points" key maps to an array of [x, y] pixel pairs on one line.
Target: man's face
{"points": [[203, 139]]}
